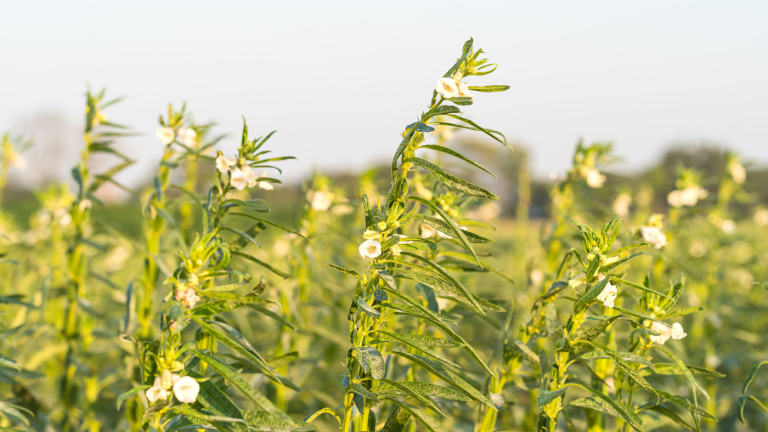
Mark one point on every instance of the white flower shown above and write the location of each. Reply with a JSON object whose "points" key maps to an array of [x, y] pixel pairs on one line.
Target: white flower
{"points": [[188, 136], [427, 231], [254, 180], [761, 217], [464, 90], [371, 235], [686, 197], [578, 281], [443, 132], [594, 178], [320, 200], [446, 87], [677, 332], [186, 389], [654, 236], [157, 392], [342, 209], [663, 331], [608, 295], [728, 226], [370, 249], [241, 177], [395, 250], [537, 276], [737, 171], [621, 205], [166, 135], [223, 163]]}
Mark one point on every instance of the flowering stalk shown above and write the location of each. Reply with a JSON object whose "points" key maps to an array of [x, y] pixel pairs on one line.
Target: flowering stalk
{"points": [[76, 328], [390, 255]]}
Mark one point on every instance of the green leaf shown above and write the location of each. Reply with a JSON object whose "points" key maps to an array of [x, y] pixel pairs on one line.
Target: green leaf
{"points": [[741, 402], [420, 415], [638, 286], [489, 88], [590, 295], [415, 395], [628, 416], [681, 312], [546, 397], [325, 410], [463, 101], [448, 276], [129, 393], [242, 385], [423, 340], [279, 318], [343, 270], [446, 375], [413, 342], [362, 391], [280, 273], [255, 205], [417, 312], [452, 181], [446, 229], [446, 150], [367, 309], [268, 422], [595, 331], [441, 110], [9, 363], [270, 223], [673, 369], [459, 234], [661, 409], [371, 361], [481, 129], [528, 353], [242, 234], [751, 375], [685, 404], [629, 370], [422, 388], [686, 372]]}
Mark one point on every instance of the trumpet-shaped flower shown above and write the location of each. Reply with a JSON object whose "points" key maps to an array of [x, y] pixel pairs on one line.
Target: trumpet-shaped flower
{"points": [[254, 180], [464, 90], [241, 177], [675, 332], [686, 197], [320, 200], [223, 163], [447, 88], [157, 392], [594, 179], [166, 135], [608, 295], [188, 136], [654, 236], [186, 389], [370, 249]]}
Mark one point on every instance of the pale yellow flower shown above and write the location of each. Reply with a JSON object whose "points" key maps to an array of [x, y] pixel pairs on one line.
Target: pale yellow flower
{"points": [[166, 135], [188, 136], [447, 88], [594, 178], [608, 295], [395, 250], [223, 163], [157, 392], [320, 200], [371, 235], [728, 226], [737, 171], [240, 177], [621, 204], [370, 249], [186, 389], [654, 236], [342, 209], [686, 197], [427, 231]]}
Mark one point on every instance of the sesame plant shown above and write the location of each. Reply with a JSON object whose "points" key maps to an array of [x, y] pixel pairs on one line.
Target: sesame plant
{"points": [[185, 381], [392, 258]]}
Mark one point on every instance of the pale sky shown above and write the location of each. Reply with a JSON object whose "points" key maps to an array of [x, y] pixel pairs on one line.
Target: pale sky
{"points": [[339, 80]]}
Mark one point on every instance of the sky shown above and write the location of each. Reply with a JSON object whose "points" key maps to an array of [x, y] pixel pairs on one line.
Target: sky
{"points": [[340, 80]]}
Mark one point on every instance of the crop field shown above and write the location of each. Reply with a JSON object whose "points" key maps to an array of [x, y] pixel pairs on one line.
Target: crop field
{"points": [[448, 290]]}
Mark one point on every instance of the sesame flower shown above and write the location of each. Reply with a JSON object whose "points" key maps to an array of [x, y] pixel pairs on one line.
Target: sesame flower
{"points": [[166, 135], [188, 136], [427, 231], [737, 171], [464, 90], [665, 332], [223, 163], [621, 204], [594, 178], [578, 281], [608, 295], [186, 389], [157, 392], [537, 277], [371, 235], [241, 177], [447, 88], [654, 236], [370, 249], [395, 250], [320, 200], [686, 197], [254, 180], [728, 226]]}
